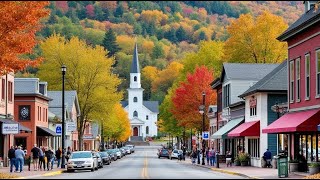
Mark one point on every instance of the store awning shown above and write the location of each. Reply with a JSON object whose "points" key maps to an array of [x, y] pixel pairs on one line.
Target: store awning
{"points": [[295, 121], [246, 129], [21, 127], [222, 133], [43, 131]]}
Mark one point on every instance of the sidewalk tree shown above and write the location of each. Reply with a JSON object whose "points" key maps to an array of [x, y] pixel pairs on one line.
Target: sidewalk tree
{"points": [[19, 22], [254, 40], [88, 72], [188, 97]]}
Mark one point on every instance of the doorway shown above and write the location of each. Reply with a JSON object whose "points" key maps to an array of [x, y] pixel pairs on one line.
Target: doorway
{"points": [[135, 131], [21, 141]]}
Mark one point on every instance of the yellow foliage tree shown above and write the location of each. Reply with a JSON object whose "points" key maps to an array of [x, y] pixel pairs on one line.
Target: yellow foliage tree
{"points": [[154, 16], [126, 43], [254, 40], [88, 72], [147, 46]]}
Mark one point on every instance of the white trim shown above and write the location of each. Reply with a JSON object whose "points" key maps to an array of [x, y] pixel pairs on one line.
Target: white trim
{"points": [[305, 108], [303, 40], [298, 74], [317, 71], [305, 84]]}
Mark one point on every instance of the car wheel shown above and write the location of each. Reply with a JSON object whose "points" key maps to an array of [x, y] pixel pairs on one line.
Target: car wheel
{"points": [[101, 165], [159, 157], [171, 158], [70, 170], [92, 169]]}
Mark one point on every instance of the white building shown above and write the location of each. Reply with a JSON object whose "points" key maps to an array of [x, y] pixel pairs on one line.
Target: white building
{"points": [[143, 115]]}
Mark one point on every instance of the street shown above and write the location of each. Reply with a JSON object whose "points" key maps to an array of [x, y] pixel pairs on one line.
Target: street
{"points": [[144, 164]]}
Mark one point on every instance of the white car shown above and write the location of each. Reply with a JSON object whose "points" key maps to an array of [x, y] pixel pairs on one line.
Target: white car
{"points": [[131, 147], [82, 160], [174, 154]]}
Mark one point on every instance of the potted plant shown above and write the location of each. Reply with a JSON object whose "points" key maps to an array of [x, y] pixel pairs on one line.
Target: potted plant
{"points": [[313, 168], [294, 165], [237, 161], [244, 159]]}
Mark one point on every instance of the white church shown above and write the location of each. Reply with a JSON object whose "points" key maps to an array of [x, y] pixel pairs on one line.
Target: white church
{"points": [[143, 115]]}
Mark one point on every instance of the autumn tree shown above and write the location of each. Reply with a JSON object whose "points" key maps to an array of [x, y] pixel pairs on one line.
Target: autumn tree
{"points": [[254, 40], [109, 43], [148, 74], [88, 73], [19, 22], [188, 97]]}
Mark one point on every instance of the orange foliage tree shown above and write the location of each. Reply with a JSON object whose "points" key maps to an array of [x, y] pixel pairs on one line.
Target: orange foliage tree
{"points": [[188, 97], [19, 22]]}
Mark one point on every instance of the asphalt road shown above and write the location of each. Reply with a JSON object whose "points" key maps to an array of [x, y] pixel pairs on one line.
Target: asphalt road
{"points": [[144, 164]]}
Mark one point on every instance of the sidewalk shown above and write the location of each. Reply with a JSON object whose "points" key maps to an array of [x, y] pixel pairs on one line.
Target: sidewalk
{"points": [[248, 171], [30, 174]]}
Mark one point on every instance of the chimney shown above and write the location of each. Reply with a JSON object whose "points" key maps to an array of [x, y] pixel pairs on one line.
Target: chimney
{"points": [[308, 5], [43, 88]]}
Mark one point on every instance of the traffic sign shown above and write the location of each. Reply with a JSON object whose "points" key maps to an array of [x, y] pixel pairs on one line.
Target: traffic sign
{"points": [[59, 129], [205, 135]]}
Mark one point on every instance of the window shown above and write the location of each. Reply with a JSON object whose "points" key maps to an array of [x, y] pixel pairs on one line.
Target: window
{"points": [[226, 94], [147, 117], [318, 71], [253, 111], [253, 106], [135, 99], [147, 130], [135, 78], [40, 114], [135, 114], [291, 81], [307, 62], [3, 89], [254, 147], [298, 78]]}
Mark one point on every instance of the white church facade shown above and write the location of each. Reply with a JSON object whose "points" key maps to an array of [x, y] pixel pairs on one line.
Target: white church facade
{"points": [[143, 115]]}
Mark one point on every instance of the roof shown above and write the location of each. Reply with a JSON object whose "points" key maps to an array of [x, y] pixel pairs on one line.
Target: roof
{"points": [[135, 61], [151, 105], [246, 71], [215, 83], [56, 103], [276, 80], [308, 18]]}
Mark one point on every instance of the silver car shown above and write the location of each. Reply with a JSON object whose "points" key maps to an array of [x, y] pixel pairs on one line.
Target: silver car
{"points": [[82, 160]]}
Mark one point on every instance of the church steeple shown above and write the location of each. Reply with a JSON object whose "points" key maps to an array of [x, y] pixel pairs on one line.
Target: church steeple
{"points": [[135, 61]]}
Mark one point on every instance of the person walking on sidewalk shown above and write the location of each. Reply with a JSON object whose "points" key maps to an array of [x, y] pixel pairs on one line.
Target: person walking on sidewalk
{"points": [[194, 156], [212, 155], [12, 157], [58, 156], [49, 155], [41, 159], [228, 159], [19, 154], [35, 156]]}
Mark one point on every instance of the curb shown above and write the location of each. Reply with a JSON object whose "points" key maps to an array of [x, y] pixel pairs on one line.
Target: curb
{"points": [[46, 174]]}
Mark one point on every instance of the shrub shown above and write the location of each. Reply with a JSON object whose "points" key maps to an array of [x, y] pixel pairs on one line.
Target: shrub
{"points": [[244, 157], [314, 164]]}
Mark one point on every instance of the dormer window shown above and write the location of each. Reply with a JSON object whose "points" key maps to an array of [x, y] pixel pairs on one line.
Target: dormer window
{"points": [[135, 99], [135, 114], [135, 79]]}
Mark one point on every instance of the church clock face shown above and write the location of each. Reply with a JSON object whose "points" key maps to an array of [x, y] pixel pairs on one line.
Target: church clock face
{"points": [[24, 112]]}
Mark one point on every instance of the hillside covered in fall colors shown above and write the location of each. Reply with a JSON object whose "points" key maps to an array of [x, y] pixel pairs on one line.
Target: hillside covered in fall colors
{"points": [[165, 31]]}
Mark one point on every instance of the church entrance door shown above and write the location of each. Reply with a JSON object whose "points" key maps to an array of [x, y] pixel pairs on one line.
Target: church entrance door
{"points": [[135, 131]]}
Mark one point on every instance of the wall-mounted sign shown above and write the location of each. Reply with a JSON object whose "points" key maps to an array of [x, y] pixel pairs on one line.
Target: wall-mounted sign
{"points": [[24, 112], [205, 135], [10, 128], [58, 129], [71, 126], [88, 137]]}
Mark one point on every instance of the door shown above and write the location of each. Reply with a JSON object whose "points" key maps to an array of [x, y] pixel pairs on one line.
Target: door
{"points": [[135, 131], [21, 142]]}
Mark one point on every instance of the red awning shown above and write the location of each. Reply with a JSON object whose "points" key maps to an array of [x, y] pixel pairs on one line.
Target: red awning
{"points": [[295, 121], [246, 129]]}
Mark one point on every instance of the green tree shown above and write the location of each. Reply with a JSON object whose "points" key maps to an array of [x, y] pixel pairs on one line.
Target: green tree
{"points": [[110, 43], [157, 51], [181, 34], [119, 11]]}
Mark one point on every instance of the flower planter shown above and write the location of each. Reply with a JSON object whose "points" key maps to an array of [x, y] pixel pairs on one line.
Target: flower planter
{"points": [[244, 163], [314, 170], [293, 167]]}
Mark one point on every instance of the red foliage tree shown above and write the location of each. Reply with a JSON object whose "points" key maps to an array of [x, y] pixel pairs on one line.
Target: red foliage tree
{"points": [[63, 6], [188, 97], [90, 11]]}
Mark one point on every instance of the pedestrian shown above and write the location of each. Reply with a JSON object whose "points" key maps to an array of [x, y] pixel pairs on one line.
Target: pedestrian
{"points": [[194, 156], [19, 154], [49, 155], [207, 155], [267, 158], [12, 157], [212, 155], [68, 153], [228, 159], [58, 156], [41, 159], [35, 157]]}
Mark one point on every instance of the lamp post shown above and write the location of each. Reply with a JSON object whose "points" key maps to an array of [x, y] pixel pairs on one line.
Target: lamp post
{"points": [[63, 69], [201, 110]]}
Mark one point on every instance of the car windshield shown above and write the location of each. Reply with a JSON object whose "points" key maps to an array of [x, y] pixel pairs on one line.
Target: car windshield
{"points": [[164, 151], [102, 154], [175, 151], [77, 155]]}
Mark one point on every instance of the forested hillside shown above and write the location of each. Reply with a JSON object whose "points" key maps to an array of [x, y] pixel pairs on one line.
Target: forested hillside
{"points": [[165, 31]]}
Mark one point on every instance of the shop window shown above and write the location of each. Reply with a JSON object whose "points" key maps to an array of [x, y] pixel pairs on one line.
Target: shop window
{"points": [[254, 147], [147, 130], [307, 61], [291, 81]]}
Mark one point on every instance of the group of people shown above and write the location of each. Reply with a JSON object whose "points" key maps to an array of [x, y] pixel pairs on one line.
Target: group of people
{"points": [[210, 155], [41, 157]]}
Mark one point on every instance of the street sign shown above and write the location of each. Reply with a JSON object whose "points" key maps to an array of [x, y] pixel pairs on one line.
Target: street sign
{"points": [[10, 128], [71, 126], [59, 129], [205, 135]]}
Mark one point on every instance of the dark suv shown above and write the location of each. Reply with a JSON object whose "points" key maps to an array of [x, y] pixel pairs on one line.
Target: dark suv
{"points": [[163, 153]]}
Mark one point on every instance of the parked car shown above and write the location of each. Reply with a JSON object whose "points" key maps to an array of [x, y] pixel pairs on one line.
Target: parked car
{"points": [[100, 162], [127, 149], [106, 158], [163, 153], [174, 154], [131, 147], [118, 152], [112, 154], [123, 151], [82, 160]]}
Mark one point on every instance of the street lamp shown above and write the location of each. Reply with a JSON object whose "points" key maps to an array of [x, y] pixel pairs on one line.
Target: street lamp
{"points": [[201, 110], [63, 70]]}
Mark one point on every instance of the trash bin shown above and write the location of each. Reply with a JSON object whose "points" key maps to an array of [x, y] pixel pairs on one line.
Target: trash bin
{"points": [[275, 162], [282, 166]]}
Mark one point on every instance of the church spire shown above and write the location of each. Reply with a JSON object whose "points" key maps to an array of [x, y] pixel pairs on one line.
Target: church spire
{"points": [[135, 61]]}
